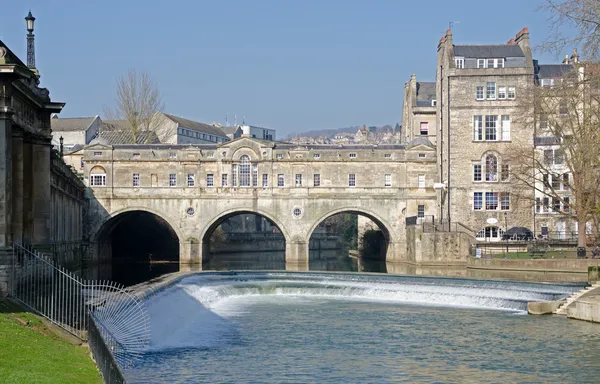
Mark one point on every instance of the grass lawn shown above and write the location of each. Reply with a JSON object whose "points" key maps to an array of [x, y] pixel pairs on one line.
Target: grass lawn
{"points": [[527, 255], [31, 353]]}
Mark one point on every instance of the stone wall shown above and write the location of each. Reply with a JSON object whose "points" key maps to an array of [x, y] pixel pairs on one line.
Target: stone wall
{"points": [[562, 265], [437, 248]]}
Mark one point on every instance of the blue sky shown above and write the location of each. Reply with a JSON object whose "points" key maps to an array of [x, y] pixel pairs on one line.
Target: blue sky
{"points": [[292, 65]]}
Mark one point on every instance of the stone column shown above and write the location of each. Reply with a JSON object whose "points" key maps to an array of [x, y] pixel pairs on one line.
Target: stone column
{"points": [[27, 191], [5, 173], [41, 191], [17, 187], [296, 255]]}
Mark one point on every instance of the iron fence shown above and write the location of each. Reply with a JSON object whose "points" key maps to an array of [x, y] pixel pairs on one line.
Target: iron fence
{"points": [[106, 362], [68, 301]]}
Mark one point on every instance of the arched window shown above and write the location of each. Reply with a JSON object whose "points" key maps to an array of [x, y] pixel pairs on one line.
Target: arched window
{"points": [[97, 177], [491, 168], [244, 170]]}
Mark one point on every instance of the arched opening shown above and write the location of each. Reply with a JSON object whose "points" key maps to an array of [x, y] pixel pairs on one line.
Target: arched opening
{"points": [[137, 246], [243, 240], [349, 241]]}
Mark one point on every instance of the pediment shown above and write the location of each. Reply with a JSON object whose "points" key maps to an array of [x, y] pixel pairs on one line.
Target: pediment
{"points": [[420, 147], [8, 57], [98, 146]]}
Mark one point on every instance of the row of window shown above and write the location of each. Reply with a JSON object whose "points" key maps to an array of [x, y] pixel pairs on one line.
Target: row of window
{"points": [[491, 92], [558, 182], [490, 169], [202, 136], [554, 205], [100, 180], [350, 155], [492, 130], [481, 63], [494, 201]]}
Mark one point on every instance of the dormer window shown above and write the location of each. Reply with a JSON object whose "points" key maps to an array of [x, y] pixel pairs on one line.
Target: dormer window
{"points": [[459, 62], [490, 63], [547, 82]]}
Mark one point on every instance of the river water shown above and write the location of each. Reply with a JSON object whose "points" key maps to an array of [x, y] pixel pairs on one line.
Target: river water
{"points": [[261, 327]]}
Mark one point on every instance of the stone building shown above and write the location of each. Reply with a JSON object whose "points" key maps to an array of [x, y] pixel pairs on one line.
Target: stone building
{"points": [[196, 187], [419, 110], [74, 131], [40, 198]]}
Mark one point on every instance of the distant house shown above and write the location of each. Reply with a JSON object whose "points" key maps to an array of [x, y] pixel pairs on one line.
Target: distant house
{"points": [[233, 132], [258, 132], [74, 130], [177, 130]]}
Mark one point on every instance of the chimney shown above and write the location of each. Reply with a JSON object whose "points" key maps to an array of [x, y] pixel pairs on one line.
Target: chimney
{"points": [[575, 56], [449, 36], [522, 40], [566, 60], [510, 42]]}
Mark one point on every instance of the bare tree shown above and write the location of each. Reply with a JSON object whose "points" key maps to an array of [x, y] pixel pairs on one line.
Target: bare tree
{"points": [[137, 104], [580, 16], [563, 167]]}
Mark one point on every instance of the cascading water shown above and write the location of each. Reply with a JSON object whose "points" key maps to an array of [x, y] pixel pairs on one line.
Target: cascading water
{"points": [[201, 304], [338, 328]]}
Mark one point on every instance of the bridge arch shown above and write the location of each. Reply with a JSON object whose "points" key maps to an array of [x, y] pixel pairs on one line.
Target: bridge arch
{"points": [[222, 216], [136, 244], [383, 225], [235, 244]]}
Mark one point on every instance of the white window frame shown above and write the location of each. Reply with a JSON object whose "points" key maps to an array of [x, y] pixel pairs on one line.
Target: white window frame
{"points": [[459, 62], [191, 180], [298, 179], [489, 93], [387, 155], [210, 180], [477, 171], [224, 180], [352, 180], [352, 155], [505, 127], [135, 180], [421, 180], [317, 156], [172, 179], [478, 134], [279, 156], [511, 93], [481, 63], [502, 93], [265, 180], [478, 201], [489, 130], [98, 179], [426, 125], [477, 94], [421, 211], [280, 180], [387, 180]]}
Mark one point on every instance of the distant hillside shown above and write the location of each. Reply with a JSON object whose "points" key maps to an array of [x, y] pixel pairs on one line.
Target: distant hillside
{"points": [[332, 132]]}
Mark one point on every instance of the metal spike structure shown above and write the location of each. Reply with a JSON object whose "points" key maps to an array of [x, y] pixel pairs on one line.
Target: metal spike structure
{"points": [[68, 301]]}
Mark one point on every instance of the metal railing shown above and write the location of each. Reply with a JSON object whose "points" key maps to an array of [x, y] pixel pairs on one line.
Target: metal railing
{"points": [[68, 301], [106, 362]]}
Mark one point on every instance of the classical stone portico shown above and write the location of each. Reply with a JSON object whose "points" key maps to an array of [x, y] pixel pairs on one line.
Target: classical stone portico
{"points": [[195, 188]]}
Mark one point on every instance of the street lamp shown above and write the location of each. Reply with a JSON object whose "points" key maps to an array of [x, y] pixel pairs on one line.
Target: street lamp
{"points": [[506, 230], [61, 146], [30, 20]]}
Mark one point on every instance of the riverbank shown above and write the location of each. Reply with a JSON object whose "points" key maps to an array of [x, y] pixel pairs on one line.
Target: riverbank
{"points": [[33, 352], [586, 307]]}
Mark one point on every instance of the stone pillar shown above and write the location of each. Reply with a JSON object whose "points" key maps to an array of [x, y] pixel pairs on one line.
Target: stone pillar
{"points": [[296, 255], [27, 191], [41, 191], [6, 170], [17, 187]]}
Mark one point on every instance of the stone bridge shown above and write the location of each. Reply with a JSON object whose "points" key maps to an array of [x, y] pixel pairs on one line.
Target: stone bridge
{"points": [[194, 188]]}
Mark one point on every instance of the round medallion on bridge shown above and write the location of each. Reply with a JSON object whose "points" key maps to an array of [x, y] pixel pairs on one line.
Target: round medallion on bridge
{"points": [[297, 212], [190, 211]]}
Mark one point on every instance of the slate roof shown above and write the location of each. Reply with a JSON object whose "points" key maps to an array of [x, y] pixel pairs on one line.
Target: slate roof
{"points": [[488, 51], [425, 93], [71, 124], [553, 71], [196, 126], [229, 130], [113, 137]]}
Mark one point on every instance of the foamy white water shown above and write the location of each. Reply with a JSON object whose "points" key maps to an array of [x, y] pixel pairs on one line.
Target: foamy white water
{"points": [[195, 311]]}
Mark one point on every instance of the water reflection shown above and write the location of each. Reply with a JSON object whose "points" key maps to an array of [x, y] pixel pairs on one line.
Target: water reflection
{"points": [[319, 260]]}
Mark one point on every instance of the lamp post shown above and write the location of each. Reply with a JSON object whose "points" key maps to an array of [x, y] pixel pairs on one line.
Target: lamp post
{"points": [[61, 146], [29, 21], [506, 230]]}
